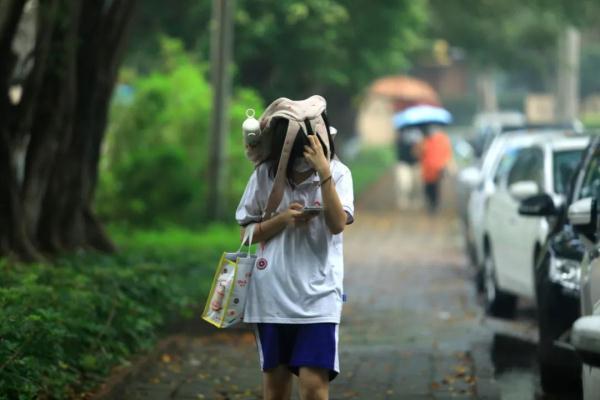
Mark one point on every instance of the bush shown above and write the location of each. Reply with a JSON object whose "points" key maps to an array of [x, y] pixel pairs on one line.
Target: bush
{"points": [[591, 121], [155, 163], [153, 188], [63, 326]]}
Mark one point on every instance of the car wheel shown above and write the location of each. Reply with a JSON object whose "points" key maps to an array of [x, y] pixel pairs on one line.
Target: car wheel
{"points": [[469, 246], [497, 302], [480, 279], [560, 370]]}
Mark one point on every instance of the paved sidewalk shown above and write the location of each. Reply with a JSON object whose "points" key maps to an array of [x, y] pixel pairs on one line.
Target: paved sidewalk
{"points": [[411, 328]]}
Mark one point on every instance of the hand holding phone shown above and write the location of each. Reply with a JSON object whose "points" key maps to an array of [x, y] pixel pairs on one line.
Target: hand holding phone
{"points": [[312, 210], [306, 214]]}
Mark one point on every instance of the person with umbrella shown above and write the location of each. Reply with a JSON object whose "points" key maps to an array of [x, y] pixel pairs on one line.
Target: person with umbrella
{"points": [[434, 151]]}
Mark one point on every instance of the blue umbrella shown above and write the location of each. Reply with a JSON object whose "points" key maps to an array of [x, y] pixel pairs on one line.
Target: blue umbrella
{"points": [[419, 115]]}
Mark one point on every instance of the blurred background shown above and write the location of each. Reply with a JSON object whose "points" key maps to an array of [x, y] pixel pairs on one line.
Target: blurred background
{"points": [[122, 159], [474, 58]]}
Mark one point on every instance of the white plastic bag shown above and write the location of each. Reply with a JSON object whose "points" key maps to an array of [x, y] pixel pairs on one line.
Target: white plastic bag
{"points": [[227, 298]]}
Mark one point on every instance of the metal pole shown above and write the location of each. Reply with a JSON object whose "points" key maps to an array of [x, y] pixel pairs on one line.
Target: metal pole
{"points": [[221, 49]]}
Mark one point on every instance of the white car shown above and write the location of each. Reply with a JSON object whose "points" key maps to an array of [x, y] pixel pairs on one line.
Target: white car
{"points": [[512, 243], [482, 181]]}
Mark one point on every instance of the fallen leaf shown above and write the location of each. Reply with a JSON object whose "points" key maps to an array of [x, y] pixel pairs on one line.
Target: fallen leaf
{"points": [[460, 370], [448, 380], [166, 358]]}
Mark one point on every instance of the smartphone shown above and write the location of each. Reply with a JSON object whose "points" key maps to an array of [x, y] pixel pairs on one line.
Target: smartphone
{"points": [[312, 210]]}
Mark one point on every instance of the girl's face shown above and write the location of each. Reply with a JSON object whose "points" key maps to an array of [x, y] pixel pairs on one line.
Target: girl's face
{"points": [[301, 165]]}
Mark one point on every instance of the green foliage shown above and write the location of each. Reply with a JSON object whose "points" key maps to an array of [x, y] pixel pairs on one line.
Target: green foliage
{"points": [[511, 35], [295, 47], [591, 121], [369, 165], [323, 44], [63, 326], [157, 147], [505, 33]]}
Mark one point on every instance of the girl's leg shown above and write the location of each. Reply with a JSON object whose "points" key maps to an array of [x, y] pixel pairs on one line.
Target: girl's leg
{"points": [[277, 383], [314, 383]]}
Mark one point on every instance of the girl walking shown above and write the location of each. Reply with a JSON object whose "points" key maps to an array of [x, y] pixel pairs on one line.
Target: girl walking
{"points": [[295, 295]]}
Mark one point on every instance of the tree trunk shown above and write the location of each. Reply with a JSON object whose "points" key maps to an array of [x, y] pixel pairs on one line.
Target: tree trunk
{"points": [[343, 116], [61, 119], [50, 107], [13, 237], [567, 96], [69, 221]]}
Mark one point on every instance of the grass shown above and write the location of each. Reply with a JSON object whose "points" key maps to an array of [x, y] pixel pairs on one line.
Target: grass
{"points": [[369, 165]]}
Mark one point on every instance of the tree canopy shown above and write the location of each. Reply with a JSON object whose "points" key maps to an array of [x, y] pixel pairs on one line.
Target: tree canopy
{"points": [[296, 47], [509, 34]]}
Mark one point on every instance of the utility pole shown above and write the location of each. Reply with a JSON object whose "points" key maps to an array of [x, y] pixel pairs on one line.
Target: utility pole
{"points": [[221, 34], [486, 89], [567, 96]]}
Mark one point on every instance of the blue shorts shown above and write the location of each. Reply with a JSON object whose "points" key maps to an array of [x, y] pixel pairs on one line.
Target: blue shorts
{"points": [[299, 345]]}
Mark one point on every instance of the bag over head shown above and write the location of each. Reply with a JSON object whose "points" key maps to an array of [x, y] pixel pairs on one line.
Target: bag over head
{"points": [[306, 116]]}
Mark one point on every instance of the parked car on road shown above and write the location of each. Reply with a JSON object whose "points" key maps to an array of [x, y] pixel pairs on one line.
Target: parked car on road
{"points": [[557, 281], [512, 243], [481, 181], [584, 215]]}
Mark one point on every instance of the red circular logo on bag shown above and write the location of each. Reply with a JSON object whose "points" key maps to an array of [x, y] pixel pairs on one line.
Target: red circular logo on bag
{"points": [[261, 263]]}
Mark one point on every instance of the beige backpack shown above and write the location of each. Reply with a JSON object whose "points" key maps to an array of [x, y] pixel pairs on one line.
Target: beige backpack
{"points": [[303, 115]]}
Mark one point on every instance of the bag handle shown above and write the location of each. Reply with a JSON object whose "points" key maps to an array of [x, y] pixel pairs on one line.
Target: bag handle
{"points": [[248, 236]]}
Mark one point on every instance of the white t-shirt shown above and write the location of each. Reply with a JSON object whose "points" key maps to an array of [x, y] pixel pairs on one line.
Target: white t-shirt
{"points": [[299, 272]]}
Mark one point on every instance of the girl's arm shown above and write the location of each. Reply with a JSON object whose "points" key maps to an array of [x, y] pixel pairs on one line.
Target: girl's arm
{"points": [[263, 231], [335, 216]]}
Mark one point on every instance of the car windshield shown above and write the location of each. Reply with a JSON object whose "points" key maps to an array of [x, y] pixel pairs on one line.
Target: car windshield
{"points": [[565, 165], [591, 181]]}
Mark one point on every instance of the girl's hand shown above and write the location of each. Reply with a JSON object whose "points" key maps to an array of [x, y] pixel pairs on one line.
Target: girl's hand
{"points": [[303, 218], [315, 156], [293, 212]]}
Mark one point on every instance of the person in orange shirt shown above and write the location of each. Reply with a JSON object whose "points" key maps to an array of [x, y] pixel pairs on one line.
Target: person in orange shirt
{"points": [[434, 153]]}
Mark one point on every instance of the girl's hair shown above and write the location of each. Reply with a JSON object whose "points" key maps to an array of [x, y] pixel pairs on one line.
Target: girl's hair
{"points": [[278, 129]]}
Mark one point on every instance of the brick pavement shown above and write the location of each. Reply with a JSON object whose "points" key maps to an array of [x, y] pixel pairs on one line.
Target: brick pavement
{"points": [[411, 328]]}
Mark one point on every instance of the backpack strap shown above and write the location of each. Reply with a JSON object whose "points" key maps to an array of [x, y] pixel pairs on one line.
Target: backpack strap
{"points": [[279, 184]]}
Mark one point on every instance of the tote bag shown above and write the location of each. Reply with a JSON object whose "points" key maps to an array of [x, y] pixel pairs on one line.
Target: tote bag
{"points": [[227, 298]]}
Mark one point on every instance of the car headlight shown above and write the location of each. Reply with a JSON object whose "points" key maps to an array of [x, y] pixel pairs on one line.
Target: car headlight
{"points": [[565, 272]]}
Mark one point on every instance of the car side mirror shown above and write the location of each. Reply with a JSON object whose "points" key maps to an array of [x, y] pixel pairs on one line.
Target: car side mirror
{"points": [[585, 337], [523, 189], [470, 176], [582, 215], [541, 205]]}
